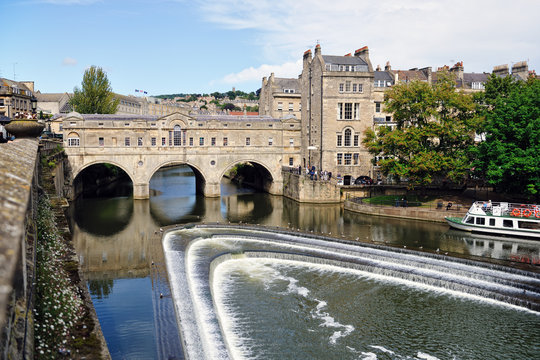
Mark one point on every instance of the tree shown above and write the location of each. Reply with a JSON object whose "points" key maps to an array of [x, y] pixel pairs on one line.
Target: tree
{"points": [[509, 156], [96, 96], [435, 128]]}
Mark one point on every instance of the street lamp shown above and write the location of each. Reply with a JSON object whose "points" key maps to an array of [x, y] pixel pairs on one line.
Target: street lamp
{"points": [[311, 147], [34, 104]]}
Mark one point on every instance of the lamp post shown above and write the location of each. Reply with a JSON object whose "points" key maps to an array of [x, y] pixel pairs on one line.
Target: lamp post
{"points": [[33, 101]]}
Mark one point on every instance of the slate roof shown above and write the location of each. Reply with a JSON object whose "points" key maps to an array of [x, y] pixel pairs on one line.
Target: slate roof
{"points": [[343, 60], [49, 97], [286, 83], [383, 75]]}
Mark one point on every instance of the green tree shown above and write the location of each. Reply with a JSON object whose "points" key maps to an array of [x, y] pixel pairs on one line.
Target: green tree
{"points": [[435, 129], [509, 155], [95, 96]]}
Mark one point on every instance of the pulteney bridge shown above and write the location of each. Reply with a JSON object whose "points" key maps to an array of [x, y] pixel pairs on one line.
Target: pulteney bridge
{"points": [[209, 144]]}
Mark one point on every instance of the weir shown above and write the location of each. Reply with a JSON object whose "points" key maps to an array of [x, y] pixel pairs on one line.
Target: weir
{"points": [[194, 253]]}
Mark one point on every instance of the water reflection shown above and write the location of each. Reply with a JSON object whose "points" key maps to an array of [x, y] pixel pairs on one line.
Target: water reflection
{"points": [[118, 240]]}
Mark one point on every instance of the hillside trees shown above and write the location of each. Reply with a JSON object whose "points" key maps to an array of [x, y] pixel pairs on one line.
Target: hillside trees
{"points": [[435, 129], [509, 156], [95, 96]]}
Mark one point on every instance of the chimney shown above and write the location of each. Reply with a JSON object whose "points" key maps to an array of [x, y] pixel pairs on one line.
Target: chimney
{"points": [[501, 70], [378, 68], [387, 67], [317, 49], [362, 52], [457, 69], [521, 69]]}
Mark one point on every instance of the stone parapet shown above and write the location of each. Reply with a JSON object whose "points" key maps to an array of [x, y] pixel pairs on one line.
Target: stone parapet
{"points": [[302, 189], [18, 204]]}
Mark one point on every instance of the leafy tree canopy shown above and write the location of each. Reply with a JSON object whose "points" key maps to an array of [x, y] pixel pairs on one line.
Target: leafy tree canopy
{"points": [[96, 96], [509, 156], [435, 128]]}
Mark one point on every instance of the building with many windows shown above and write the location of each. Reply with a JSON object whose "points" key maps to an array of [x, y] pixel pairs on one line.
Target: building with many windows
{"points": [[337, 107], [16, 97], [280, 97]]}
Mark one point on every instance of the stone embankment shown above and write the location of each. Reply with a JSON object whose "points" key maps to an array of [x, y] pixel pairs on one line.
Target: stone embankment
{"points": [[411, 213]]}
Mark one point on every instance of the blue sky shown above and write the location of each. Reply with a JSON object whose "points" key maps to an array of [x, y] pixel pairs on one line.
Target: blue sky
{"points": [[201, 46]]}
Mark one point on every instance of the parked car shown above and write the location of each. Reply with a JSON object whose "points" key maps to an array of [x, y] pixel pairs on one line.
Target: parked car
{"points": [[363, 180]]}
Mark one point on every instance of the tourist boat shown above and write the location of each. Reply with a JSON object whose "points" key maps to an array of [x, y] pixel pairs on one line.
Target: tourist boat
{"points": [[500, 218]]}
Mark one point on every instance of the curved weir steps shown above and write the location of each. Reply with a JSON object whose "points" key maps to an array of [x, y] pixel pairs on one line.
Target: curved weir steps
{"points": [[193, 253]]}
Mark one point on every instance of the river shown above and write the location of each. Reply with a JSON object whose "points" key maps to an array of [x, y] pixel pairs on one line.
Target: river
{"points": [[119, 247]]}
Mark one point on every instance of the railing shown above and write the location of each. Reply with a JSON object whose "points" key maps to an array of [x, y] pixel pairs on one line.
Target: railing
{"points": [[506, 209]]}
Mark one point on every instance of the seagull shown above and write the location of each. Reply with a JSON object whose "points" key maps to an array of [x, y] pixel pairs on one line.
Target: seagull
{"points": [[161, 295], [437, 250]]}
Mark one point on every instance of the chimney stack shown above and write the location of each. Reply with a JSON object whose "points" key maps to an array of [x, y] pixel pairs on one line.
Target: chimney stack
{"points": [[317, 49]]}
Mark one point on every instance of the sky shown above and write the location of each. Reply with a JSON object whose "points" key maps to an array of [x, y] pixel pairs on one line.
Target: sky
{"points": [[202, 46]]}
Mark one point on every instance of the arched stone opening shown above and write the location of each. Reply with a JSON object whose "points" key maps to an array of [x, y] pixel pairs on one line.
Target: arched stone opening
{"points": [[251, 174], [102, 179], [200, 180]]}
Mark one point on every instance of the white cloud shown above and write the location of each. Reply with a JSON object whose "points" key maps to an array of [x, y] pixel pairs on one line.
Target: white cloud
{"points": [[69, 61], [287, 70], [408, 33]]}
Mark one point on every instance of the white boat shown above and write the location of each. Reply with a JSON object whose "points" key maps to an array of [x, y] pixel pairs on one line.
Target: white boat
{"points": [[500, 218]]}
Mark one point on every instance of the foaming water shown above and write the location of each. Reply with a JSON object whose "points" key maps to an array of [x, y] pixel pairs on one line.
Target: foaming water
{"points": [[261, 295]]}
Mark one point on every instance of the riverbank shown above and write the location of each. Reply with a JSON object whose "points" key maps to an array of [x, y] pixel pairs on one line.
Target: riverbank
{"points": [[81, 336], [410, 213]]}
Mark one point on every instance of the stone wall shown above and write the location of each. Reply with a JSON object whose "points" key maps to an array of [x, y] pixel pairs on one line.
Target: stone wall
{"points": [[302, 189], [413, 213], [18, 209]]}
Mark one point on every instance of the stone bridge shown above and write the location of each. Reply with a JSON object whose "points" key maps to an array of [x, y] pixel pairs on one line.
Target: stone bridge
{"points": [[209, 144]]}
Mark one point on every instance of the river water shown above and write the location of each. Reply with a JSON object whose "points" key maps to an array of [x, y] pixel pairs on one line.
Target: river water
{"points": [[282, 309]]}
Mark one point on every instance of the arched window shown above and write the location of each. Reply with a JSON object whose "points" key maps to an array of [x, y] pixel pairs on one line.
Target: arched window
{"points": [[73, 140], [347, 141], [177, 135]]}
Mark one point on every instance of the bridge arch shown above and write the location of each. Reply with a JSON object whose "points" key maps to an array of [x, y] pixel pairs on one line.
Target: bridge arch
{"points": [[200, 178], [264, 182], [79, 185]]}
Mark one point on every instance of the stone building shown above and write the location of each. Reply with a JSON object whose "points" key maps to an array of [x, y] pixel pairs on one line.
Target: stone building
{"points": [[280, 97], [53, 103], [16, 97], [337, 107]]}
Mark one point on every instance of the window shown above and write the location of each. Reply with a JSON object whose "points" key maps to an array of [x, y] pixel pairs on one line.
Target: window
{"points": [[339, 159], [528, 225], [101, 141], [347, 86], [340, 140], [291, 108], [270, 141], [348, 159], [347, 137], [163, 141], [139, 141], [190, 141], [248, 141], [171, 135], [480, 221], [377, 107], [213, 141], [345, 111], [388, 119], [491, 222], [341, 87], [355, 143], [127, 142], [508, 223], [177, 135], [225, 141], [354, 87], [73, 142], [470, 220], [291, 161], [154, 141], [280, 106], [100, 124], [126, 124], [291, 142], [360, 88], [201, 141], [356, 158]]}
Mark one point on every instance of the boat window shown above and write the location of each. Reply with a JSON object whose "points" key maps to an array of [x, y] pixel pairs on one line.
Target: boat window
{"points": [[508, 223], [528, 225], [470, 220], [480, 221], [491, 222]]}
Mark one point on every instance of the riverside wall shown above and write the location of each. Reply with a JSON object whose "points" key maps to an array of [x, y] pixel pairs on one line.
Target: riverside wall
{"points": [[18, 235], [302, 189], [412, 213]]}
